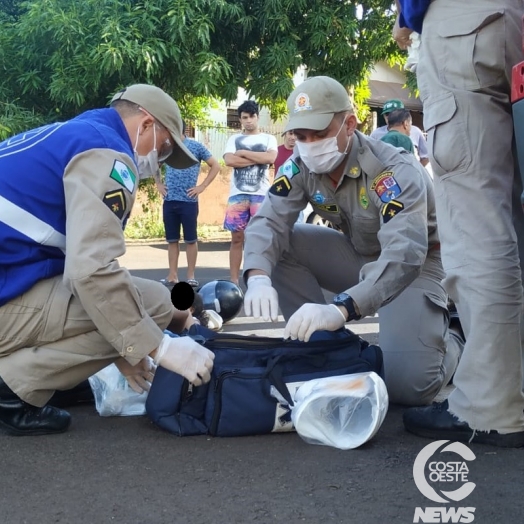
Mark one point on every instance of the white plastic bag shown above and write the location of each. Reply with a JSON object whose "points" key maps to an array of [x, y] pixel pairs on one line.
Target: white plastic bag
{"points": [[114, 396], [343, 412]]}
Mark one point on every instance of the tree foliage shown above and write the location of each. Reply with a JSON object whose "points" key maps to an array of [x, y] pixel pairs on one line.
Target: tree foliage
{"points": [[60, 57]]}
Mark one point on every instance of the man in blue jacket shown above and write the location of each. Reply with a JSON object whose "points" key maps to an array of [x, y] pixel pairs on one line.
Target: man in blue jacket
{"points": [[67, 308], [464, 76]]}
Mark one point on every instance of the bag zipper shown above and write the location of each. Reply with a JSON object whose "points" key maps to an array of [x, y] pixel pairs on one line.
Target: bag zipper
{"points": [[271, 343], [217, 393]]}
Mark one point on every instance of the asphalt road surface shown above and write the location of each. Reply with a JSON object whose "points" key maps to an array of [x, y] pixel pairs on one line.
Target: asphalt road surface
{"points": [[124, 470]]}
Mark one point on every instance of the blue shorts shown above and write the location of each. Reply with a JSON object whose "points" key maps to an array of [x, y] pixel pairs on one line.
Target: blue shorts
{"points": [[240, 209], [178, 213]]}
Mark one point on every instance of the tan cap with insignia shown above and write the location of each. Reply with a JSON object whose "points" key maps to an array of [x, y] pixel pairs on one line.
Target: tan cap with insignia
{"points": [[315, 101], [160, 105]]}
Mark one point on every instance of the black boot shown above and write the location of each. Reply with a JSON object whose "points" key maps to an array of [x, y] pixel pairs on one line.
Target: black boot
{"points": [[20, 418], [436, 422]]}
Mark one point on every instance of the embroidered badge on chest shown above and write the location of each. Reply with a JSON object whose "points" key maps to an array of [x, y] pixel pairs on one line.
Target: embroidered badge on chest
{"points": [[123, 175], [318, 197], [386, 187], [329, 208], [363, 198]]}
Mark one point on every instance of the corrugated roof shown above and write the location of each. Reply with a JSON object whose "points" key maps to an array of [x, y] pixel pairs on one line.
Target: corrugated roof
{"points": [[383, 91]]}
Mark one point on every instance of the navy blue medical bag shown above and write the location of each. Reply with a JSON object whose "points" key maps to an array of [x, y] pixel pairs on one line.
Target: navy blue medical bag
{"points": [[248, 372]]}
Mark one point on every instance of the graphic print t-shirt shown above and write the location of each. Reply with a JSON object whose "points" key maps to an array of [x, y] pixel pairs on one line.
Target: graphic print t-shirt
{"points": [[254, 179]]}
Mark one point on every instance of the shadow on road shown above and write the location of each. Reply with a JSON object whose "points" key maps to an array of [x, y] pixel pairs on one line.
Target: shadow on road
{"points": [[204, 246]]}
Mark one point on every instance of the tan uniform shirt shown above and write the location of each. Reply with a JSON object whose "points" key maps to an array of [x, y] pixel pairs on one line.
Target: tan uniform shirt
{"points": [[384, 204], [96, 206]]}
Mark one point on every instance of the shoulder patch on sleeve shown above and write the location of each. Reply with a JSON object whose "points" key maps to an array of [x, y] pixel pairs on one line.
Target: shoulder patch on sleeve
{"points": [[281, 186], [116, 202], [289, 168], [386, 187], [392, 208], [123, 175]]}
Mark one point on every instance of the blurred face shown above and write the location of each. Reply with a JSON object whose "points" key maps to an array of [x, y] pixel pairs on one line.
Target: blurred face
{"points": [[289, 140], [249, 122]]}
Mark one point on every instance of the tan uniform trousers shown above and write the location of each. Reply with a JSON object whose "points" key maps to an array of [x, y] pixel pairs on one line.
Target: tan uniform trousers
{"points": [[48, 343], [420, 353], [464, 76]]}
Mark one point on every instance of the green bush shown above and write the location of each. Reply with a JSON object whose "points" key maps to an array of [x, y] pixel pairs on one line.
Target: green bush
{"points": [[14, 120], [145, 226]]}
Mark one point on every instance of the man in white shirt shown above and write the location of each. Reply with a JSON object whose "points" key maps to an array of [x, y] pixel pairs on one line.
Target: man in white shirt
{"points": [[416, 135], [250, 154]]}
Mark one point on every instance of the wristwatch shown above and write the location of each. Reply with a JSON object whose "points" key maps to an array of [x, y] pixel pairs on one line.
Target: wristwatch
{"points": [[343, 299]]}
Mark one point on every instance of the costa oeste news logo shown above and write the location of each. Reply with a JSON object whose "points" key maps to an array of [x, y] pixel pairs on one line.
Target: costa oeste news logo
{"points": [[432, 469]]}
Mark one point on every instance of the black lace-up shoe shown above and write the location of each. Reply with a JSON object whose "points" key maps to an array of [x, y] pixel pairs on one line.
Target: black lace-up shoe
{"points": [[20, 418], [436, 422]]}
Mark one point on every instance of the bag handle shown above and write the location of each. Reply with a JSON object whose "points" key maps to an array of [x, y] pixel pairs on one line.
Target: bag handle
{"points": [[275, 371], [274, 374]]}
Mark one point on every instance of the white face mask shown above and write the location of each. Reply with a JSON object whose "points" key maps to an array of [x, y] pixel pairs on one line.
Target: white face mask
{"points": [[148, 165], [322, 156]]}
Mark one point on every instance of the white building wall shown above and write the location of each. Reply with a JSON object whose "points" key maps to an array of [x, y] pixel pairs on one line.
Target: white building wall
{"points": [[382, 72]]}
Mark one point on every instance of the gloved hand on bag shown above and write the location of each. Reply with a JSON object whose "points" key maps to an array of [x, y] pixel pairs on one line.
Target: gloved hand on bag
{"points": [[313, 317], [139, 376], [261, 299], [187, 358]]}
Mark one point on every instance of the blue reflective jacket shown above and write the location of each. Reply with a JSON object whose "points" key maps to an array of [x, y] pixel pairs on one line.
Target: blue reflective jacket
{"points": [[32, 201]]}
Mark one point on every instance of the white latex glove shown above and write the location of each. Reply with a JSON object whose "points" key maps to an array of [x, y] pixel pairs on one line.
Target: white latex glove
{"points": [[313, 317], [139, 376], [261, 299], [187, 358]]}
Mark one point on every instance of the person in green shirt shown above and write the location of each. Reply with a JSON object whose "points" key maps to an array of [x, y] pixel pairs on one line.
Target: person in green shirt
{"points": [[399, 128]]}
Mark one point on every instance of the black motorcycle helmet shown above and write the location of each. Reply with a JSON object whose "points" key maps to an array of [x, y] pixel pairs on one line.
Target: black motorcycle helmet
{"points": [[222, 296]]}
